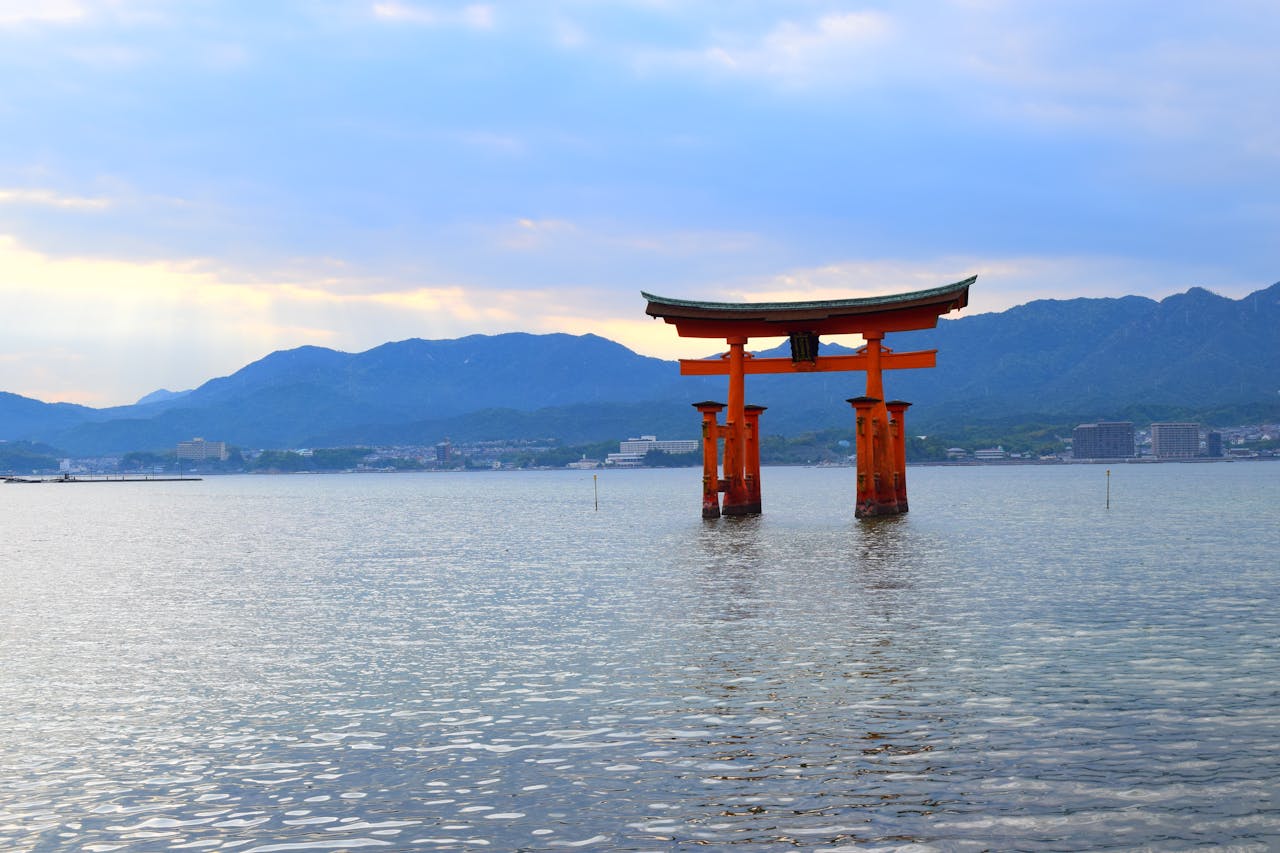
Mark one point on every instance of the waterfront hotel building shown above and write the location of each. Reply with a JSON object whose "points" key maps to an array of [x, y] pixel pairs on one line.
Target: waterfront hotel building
{"points": [[1175, 440], [1103, 440], [199, 450]]}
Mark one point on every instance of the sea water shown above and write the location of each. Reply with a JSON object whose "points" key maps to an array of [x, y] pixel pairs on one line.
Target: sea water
{"points": [[488, 661]]}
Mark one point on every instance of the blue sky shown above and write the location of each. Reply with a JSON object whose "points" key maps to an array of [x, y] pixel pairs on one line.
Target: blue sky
{"points": [[185, 187]]}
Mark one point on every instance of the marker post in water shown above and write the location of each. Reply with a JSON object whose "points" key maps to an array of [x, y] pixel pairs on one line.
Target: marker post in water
{"points": [[1108, 488], [595, 485]]}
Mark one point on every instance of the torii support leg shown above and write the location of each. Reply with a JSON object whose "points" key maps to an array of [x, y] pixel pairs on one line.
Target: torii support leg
{"points": [[898, 426], [880, 480], [752, 415], [877, 493], [864, 448], [710, 463], [736, 501]]}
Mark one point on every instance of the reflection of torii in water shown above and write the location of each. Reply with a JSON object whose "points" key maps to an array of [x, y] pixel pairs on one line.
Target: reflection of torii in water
{"points": [[880, 439]]}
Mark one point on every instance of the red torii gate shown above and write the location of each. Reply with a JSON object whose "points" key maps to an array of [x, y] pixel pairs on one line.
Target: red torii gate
{"points": [[880, 436]]}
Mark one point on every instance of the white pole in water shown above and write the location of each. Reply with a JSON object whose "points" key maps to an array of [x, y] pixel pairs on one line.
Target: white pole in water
{"points": [[1108, 488], [595, 484]]}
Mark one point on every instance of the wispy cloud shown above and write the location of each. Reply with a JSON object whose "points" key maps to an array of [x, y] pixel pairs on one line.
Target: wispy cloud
{"points": [[1191, 72], [14, 12], [477, 16], [499, 143], [49, 198], [569, 34], [527, 234], [833, 49]]}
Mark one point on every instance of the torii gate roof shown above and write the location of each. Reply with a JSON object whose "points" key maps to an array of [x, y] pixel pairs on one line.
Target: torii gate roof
{"points": [[896, 312]]}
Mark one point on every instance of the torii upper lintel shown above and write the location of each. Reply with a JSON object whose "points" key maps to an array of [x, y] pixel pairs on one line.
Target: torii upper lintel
{"points": [[897, 312]]}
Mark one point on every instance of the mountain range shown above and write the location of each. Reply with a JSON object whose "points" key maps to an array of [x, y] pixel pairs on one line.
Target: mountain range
{"points": [[1192, 355]]}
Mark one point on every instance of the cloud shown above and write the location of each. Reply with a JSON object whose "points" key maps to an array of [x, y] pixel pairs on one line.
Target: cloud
{"points": [[226, 56], [831, 49], [569, 34], [574, 242], [793, 50], [529, 234], [1195, 72], [477, 16], [15, 12], [1169, 89], [49, 198], [497, 143]]}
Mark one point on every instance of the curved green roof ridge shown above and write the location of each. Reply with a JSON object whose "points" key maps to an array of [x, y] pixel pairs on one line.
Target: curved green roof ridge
{"points": [[859, 302]]}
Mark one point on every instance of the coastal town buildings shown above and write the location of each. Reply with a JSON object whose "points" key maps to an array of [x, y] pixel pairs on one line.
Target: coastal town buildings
{"points": [[1236, 442]]}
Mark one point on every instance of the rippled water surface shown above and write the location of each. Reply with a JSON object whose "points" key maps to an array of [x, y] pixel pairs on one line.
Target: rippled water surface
{"points": [[485, 661]]}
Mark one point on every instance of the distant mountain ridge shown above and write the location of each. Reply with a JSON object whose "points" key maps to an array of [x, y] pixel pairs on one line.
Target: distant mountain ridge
{"points": [[163, 395], [1194, 352]]}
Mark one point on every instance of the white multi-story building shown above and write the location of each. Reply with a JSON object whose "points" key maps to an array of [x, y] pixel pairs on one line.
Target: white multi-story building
{"points": [[645, 443], [200, 450], [631, 452]]}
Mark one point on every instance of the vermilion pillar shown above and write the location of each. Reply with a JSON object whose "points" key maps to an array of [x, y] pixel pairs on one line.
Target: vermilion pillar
{"points": [[710, 469], [898, 428], [881, 462], [882, 455], [752, 415], [864, 448], [736, 501], [875, 374]]}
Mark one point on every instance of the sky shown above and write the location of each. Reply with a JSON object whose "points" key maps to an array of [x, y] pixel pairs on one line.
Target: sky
{"points": [[187, 187]]}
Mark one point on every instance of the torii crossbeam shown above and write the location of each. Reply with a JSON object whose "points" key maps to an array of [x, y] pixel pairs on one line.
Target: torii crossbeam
{"points": [[880, 437]]}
